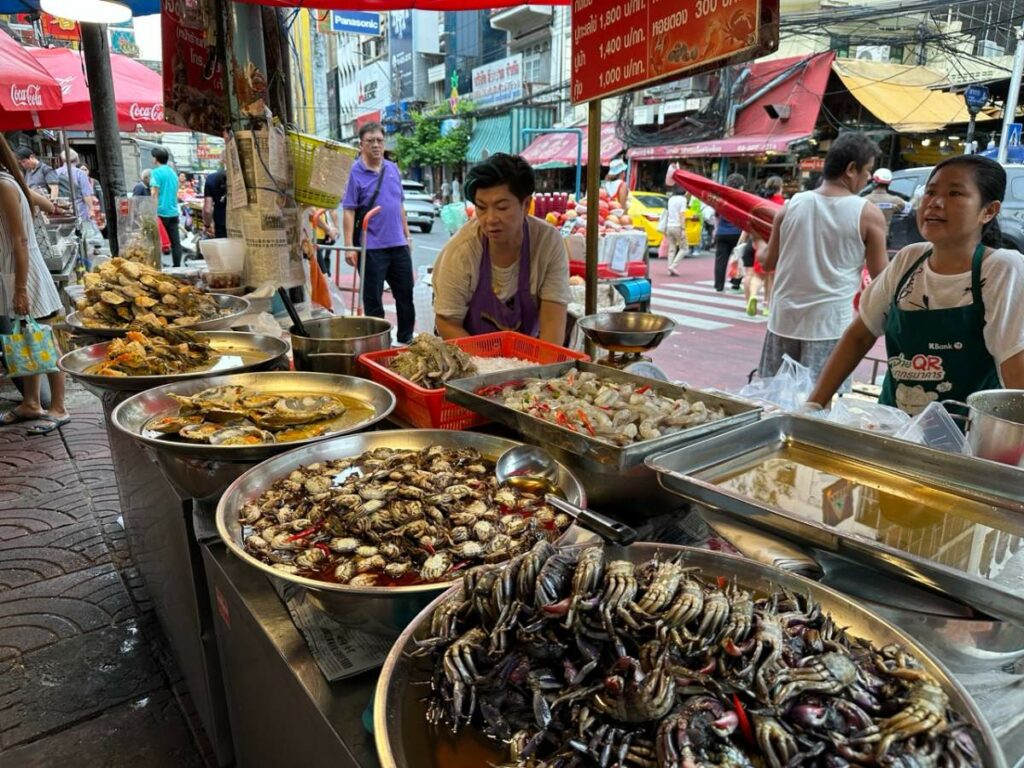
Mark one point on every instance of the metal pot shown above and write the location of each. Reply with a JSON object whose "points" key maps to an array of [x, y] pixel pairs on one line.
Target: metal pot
{"points": [[995, 425], [334, 344]]}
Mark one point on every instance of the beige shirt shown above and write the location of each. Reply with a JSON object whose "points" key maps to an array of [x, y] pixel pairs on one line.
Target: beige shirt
{"points": [[457, 270]]}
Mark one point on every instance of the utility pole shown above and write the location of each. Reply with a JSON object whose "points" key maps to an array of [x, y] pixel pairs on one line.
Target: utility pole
{"points": [[1010, 108], [96, 53]]}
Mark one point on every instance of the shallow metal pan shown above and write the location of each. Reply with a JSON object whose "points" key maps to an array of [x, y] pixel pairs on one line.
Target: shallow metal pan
{"points": [[133, 414], [77, 363], [463, 392], [382, 609], [680, 471], [405, 740], [233, 306]]}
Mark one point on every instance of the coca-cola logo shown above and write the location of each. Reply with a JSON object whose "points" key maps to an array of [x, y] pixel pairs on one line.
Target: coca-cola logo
{"points": [[146, 113], [26, 96]]}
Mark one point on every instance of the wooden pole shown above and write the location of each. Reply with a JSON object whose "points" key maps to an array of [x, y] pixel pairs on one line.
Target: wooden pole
{"points": [[593, 208]]}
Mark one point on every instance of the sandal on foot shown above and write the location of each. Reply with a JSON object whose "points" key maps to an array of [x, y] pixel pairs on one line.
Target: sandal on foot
{"points": [[13, 416], [50, 423]]}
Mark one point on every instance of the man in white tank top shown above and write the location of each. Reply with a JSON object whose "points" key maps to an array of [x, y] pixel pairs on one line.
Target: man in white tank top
{"points": [[819, 244]]}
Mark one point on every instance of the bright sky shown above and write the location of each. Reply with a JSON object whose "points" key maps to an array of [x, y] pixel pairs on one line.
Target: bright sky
{"points": [[147, 36]]}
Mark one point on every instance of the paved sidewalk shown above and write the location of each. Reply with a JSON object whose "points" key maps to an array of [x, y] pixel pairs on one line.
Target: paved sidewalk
{"points": [[85, 673]]}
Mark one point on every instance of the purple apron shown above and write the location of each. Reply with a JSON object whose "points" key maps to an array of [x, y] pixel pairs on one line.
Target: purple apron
{"points": [[488, 314]]}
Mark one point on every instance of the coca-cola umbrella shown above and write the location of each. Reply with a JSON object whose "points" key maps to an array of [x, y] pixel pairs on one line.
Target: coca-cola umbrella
{"points": [[138, 95], [25, 86], [742, 209]]}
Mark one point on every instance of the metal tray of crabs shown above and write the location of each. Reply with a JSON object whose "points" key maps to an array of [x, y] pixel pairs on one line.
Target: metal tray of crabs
{"points": [[658, 655], [603, 414]]}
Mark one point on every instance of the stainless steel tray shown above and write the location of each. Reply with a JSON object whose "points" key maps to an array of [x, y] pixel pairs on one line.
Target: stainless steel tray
{"points": [[400, 725], [689, 472], [463, 392], [234, 307], [132, 416], [378, 609], [77, 363]]}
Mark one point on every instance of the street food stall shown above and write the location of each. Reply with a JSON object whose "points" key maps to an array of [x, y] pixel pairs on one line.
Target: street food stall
{"points": [[378, 567]]}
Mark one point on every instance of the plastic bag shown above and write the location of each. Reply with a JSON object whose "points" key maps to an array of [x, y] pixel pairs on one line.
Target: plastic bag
{"points": [[453, 216], [871, 417], [935, 428], [786, 391], [29, 349]]}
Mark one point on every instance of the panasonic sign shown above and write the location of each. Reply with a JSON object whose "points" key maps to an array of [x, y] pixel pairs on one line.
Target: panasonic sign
{"points": [[356, 22]]}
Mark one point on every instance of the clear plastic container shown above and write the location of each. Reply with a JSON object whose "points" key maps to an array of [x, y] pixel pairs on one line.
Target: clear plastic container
{"points": [[935, 428]]}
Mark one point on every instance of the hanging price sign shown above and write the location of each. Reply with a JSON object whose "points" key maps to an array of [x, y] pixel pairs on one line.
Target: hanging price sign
{"points": [[619, 45]]}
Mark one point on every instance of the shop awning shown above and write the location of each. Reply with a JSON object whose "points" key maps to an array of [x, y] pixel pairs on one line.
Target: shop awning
{"points": [[25, 86], [490, 135], [901, 96], [146, 7], [558, 150], [786, 113]]}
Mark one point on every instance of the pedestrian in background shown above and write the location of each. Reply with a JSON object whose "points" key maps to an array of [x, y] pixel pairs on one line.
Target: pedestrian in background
{"points": [[141, 188], [818, 247], [163, 182], [69, 173], [615, 184], [215, 204], [675, 230], [755, 276], [38, 175], [26, 289], [374, 182], [446, 192], [888, 203], [727, 237]]}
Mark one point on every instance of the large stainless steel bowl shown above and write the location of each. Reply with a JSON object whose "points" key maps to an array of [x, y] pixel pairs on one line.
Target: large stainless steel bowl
{"points": [[232, 308], [334, 344], [626, 331], [202, 471], [405, 740], [260, 352], [381, 609]]}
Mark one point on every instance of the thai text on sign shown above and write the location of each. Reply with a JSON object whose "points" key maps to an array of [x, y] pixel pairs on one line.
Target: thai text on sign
{"points": [[618, 45]]}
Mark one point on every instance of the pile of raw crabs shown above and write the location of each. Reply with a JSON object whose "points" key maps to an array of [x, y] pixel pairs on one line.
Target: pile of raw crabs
{"points": [[573, 659]]}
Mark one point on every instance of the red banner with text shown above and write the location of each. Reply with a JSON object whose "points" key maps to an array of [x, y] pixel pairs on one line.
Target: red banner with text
{"points": [[619, 45]]}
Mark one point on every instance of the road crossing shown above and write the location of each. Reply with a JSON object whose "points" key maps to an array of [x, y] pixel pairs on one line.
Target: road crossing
{"points": [[698, 306]]}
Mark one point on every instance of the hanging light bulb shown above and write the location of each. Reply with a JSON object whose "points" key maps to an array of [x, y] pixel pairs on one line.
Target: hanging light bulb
{"points": [[89, 11], [926, 142]]}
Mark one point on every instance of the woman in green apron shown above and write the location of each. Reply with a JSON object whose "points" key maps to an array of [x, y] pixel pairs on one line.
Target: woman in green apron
{"points": [[951, 308]]}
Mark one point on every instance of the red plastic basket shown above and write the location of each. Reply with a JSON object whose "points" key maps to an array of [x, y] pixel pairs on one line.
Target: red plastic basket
{"points": [[429, 408]]}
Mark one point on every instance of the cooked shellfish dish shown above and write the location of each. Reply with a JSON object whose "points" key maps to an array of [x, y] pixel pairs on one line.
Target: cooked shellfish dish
{"points": [[120, 292], [237, 415], [615, 412], [572, 659], [392, 517], [154, 351]]}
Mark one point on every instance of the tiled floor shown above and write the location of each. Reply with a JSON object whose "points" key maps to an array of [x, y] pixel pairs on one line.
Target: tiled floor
{"points": [[85, 674]]}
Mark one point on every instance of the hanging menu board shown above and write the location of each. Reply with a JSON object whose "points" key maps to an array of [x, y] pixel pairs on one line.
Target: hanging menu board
{"points": [[619, 45]]}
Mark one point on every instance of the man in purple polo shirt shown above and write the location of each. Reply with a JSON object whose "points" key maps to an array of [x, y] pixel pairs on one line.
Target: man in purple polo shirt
{"points": [[374, 182]]}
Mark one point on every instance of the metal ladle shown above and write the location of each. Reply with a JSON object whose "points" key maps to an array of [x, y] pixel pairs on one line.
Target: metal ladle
{"points": [[529, 468]]}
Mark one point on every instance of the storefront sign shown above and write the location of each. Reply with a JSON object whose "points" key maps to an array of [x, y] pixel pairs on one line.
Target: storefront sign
{"points": [[122, 41], [367, 117], [195, 83], [400, 33], [356, 22], [812, 164], [619, 45], [499, 82], [59, 29]]}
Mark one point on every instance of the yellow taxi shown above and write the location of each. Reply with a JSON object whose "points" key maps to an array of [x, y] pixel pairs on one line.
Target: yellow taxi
{"points": [[645, 209]]}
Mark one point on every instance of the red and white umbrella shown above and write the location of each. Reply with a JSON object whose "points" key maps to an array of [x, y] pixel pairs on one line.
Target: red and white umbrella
{"points": [[742, 209], [138, 94], [25, 85]]}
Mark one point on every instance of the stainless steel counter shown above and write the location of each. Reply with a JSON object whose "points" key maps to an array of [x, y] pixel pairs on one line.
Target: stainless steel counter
{"points": [[283, 711]]}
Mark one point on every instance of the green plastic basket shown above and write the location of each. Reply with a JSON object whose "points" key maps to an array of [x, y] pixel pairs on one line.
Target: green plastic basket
{"points": [[330, 160]]}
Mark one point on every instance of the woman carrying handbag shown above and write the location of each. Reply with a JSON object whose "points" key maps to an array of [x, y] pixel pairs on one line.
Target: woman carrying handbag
{"points": [[27, 292]]}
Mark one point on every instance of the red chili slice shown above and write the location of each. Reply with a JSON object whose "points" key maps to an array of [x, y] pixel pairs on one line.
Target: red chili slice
{"points": [[744, 721], [303, 534]]}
